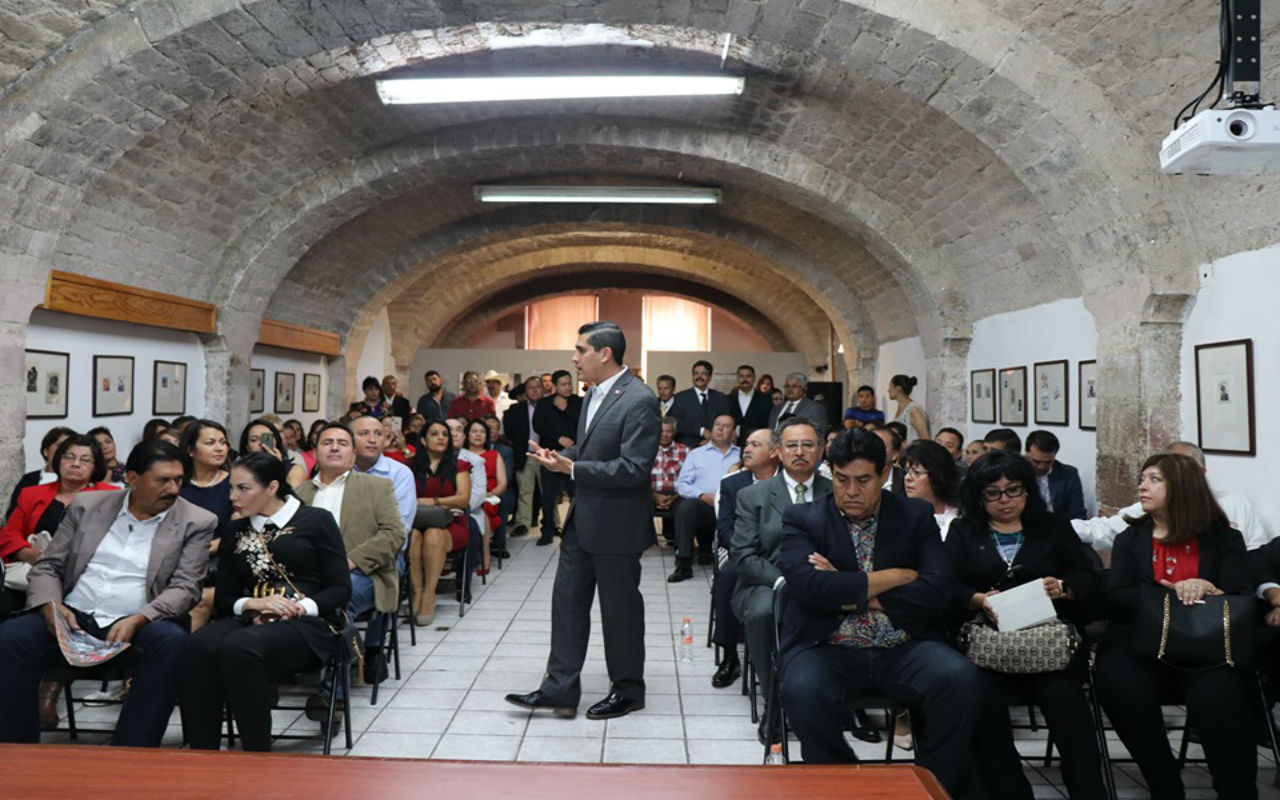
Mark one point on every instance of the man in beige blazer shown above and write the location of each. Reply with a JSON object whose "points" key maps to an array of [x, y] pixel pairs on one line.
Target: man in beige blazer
{"points": [[123, 566]]}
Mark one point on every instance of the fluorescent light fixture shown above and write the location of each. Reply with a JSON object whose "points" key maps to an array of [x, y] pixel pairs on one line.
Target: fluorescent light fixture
{"points": [[683, 195], [552, 87]]}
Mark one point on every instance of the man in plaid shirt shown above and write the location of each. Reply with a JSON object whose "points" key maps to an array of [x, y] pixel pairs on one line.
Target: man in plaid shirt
{"points": [[666, 468]]}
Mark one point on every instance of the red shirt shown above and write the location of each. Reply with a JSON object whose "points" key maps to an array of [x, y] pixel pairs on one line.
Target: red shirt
{"points": [[666, 467], [403, 456], [1175, 562], [32, 503], [462, 406]]}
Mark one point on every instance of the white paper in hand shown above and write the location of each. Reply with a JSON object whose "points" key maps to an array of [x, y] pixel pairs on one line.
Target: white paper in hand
{"points": [[1024, 606]]}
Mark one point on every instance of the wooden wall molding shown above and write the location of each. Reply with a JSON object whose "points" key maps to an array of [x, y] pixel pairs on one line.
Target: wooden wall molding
{"points": [[92, 297], [299, 337]]}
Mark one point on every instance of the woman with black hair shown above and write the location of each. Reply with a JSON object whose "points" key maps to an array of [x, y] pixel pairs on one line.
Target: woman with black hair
{"points": [[443, 480], [373, 404], [1004, 537], [115, 467], [261, 435], [282, 581], [480, 442], [45, 474], [909, 412], [208, 485], [930, 474]]}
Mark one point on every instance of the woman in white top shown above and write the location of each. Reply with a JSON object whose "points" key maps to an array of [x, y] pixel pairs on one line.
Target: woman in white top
{"points": [[931, 475], [909, 412]]}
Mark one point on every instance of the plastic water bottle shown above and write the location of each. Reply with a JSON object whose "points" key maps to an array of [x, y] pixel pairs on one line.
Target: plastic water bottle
{"points": [[775, 755], [686, 640]]}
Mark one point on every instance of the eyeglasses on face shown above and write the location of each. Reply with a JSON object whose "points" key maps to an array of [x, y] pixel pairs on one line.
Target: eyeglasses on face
{"points": [[917, 472], [793, 447], [1013, 491], [68, 458]]}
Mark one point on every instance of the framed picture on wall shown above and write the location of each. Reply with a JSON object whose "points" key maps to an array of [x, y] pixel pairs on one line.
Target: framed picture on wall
{"points": [[310, 392], [257, 393], [982, 390], [112, 386], [284, 392], [169, 389], [1224, 397], [1087, 411], [1052, 399], [45, 378], [1013, 396]]}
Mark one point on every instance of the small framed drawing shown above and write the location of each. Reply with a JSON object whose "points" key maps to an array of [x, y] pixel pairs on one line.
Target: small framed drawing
{"points": [[1087, 412], [112, 386], [1052, 399], [257, 393], [169, 389], [46, 383], [310, 392], [284, 392], [1224, 397], [982, 388], [1013, 396]]}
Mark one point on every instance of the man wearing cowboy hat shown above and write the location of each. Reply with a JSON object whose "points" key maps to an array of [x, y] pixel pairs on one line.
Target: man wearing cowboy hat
{"points": [[494, 383]]}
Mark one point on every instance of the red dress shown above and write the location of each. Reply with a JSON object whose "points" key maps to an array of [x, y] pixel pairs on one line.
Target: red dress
{"points": [[492, 463], [431, 486]]}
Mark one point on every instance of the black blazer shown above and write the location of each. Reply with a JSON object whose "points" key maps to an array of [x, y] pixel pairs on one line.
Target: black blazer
{"points": [[1067, 492], [1223, 562], [551, 423], [729, 486], [690, 416], [515, 425], [1051, 549], [907, 536], [757, 415]]}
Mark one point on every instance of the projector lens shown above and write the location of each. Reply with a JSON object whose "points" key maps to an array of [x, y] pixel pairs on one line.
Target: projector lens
{"points": [[1240, 125]]}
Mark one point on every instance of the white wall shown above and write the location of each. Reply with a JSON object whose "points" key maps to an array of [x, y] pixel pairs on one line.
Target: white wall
{"points": [[85, 337], [726, 363], [451, 363], [375, 358], [1238, 298], [1048, 332], [274, 359], [903, 357]]}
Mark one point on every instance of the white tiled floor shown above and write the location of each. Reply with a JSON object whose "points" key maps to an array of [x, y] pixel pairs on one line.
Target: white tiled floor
{"points": [[448, 701]]}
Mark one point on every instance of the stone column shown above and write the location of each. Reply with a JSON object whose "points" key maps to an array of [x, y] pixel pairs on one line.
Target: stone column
{"points": [[21, 290], [947, 399], [227, 358], [335, 400]]}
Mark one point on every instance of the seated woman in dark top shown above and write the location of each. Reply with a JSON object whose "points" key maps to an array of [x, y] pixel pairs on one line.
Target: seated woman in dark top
{"points": [[208, 485], [1184, 543], [115, 467], [1005, 537], [261, 435], [282, 579]]}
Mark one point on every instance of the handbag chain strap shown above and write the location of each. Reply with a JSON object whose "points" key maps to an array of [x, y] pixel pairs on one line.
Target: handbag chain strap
{"points": [[1226, 631], [1164, 629]]}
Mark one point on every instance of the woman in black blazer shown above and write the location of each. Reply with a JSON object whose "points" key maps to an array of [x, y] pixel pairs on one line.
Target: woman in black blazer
{"points": [[1004, 538], [1184, 534], [282, 579]]}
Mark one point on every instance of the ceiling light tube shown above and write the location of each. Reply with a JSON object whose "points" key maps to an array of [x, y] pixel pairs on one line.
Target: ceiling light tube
{"points": [[553, 87], [682, 195]]}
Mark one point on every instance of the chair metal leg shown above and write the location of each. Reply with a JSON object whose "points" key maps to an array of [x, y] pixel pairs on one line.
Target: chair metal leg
{"points": [[1048, 751], [890, 725], [754, 682], [1031, 717], [1108, 778], [346, 704], [71, 711]]}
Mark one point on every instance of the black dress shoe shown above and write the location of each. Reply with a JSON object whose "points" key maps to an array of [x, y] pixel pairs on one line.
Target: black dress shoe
{"points": [[730, 670], [862, 730], [682, 573], [615, 705], [772, 736], [536, 700], [519, 530], [545, 538], [504, 553]]}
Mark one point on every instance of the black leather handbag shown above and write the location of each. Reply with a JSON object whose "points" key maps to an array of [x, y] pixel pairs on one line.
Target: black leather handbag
{"points": [[1215, 633]]}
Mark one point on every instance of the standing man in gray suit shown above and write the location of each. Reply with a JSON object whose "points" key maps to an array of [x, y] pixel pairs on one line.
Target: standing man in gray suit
{"points": [[795, 404], [609, 524]]}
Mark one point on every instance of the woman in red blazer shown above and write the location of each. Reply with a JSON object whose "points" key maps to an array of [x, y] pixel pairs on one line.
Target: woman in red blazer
{"points": [[80, 466]]}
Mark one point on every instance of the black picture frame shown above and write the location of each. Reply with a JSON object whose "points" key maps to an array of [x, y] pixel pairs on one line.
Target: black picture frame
{"points": [[982, 395], [158, 377], [257, 391], [284, 397], [308, 379], [45, 376], [1013, 396], [1059, 396], [1087, 405], [1223, 417], [108, 381]]}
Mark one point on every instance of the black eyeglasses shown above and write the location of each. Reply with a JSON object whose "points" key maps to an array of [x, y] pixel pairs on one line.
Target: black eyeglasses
{"points": [[1013, 491]]}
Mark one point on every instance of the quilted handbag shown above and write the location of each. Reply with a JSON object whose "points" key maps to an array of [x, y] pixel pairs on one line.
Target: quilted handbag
{"points": [[1044, 648]]}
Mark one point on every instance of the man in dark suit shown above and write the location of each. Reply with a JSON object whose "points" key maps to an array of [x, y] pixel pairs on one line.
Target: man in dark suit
{"points": [[759, 463], [894, 479], [750, 408], [870, 583], [398, 403], [795, 404], [696, 408], [609, 524], [517, 424], [1059, 483], [123, 566]]}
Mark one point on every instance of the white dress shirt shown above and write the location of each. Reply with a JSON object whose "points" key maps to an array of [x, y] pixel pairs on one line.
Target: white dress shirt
{"points": [[534, 438], [744, 400], [792, 483], [598, 393], [329, 495], [1042, 481], [114, 582], [281, 520]]}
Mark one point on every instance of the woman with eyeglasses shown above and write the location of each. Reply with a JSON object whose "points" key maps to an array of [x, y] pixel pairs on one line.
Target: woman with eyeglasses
{"points": [[931, 475], [1005, 537]]}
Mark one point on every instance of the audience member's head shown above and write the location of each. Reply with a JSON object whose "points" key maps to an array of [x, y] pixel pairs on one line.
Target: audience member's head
{"points": [[760, 451], [901, 386], [335, 449], [457, 433], [154, 473], [1042, 451], [389, 386], [49, 444], [1003, 439], [865, 399], [437, 446], [723, 430], [1174, 494], [261, 434], [433, 380], [180, 424], [794, 386], [1001, 487], [478, 438], [776, 396], [973, 451], [493, 383], [313, 432], [258, 484], [79, 461], [1189, 449], [666, 387], [369, 437], [107, 442], [471, 383], [562, 382], [953, 440], [533, 390], [372, 389], [599, 351], [765, 384], [668, 434], [299, 434], [930, 473], [548, 384], [204, 447], [799, 448], [288, 437], [746, 379], [899, 430], [702, 372], [857, 461], [153, 428], [892, 443], [495, 428]]}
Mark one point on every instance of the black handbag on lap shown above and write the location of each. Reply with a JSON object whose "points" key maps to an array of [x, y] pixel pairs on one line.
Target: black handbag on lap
{"points": [[1215, 633]]}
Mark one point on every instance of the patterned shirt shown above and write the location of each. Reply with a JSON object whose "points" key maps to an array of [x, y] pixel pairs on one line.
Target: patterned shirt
{"points": [[869, 628], [666, 467]]}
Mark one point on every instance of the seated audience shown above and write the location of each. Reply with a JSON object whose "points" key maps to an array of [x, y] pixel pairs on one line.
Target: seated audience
{"points": [[750, 408], [433, 405], [863, 411], [757, 536], [870, 584], [759, 463], [1003, 439], [556, 422], [290, 434], [46, 474], [373, 404], [700, 476], [953, 440], [373, 531], [154, 428], [309, 446], [909, 413], [479, 443], [518, 424], [894, 478], [666, 394], [207, 485], [796, 404], [973, 451], [413, 434], [1183, 542], [666, 469], [282, 581], [1004, 539], [395, 445], [507, 462], [930, 474], [1059, 483], [261, 435], [443, 479], [479, 477], [695, 409], [115, 467], [124, 567], [472, 403], [396, 404]]}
